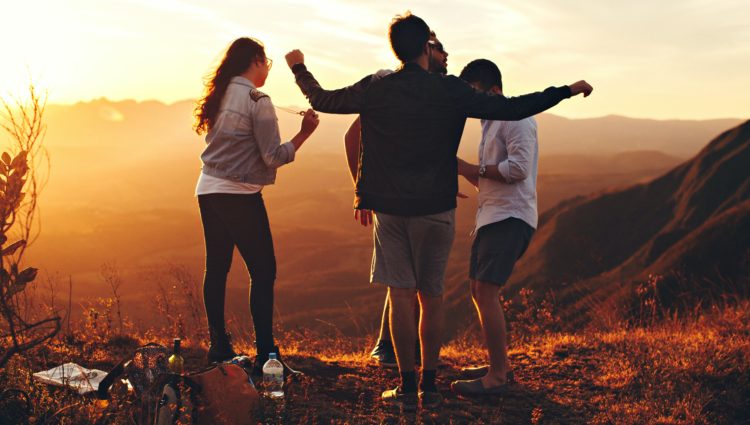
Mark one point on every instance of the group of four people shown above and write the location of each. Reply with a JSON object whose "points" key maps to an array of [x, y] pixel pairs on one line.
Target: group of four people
{"points": [[401, 152]]}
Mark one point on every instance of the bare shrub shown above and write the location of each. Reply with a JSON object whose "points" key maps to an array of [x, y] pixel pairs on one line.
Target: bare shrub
{"points": [[111, 275], [179, 301], [20, 185]]}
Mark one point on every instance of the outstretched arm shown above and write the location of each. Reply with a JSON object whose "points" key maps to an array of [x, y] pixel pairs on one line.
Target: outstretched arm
{"points": [[347, 100], [476, 104]]}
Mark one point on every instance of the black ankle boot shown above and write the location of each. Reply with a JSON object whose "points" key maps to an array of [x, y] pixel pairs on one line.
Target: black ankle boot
{"points": [[221, 347]]}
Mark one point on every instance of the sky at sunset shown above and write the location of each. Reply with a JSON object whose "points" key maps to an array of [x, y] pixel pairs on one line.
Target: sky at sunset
{"points": [[685, 59]]}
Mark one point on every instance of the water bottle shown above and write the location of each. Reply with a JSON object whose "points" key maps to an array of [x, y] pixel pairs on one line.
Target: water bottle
{"points": [[273, 377]]}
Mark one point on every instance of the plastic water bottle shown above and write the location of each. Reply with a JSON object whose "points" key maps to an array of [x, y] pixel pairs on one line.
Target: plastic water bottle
{"points": [[273, 377]]}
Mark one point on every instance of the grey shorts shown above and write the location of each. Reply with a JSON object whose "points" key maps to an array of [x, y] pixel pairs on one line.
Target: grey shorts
{"points": [[412, 252], [496, 248]]}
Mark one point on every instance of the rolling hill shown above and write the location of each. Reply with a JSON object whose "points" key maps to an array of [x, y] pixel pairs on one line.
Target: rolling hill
{"points": [[688, 229]]}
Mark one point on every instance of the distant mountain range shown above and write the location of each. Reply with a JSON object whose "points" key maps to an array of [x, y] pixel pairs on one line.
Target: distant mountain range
{"points": [[83, 123], [613, 134], [122, 183], [688, 229]]}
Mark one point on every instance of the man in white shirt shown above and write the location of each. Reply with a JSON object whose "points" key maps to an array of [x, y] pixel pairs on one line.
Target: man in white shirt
{"points": [[506, 219]]}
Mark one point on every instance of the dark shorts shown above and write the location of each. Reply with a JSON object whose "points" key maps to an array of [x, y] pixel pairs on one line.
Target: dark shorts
{"points": [[496, 248]]}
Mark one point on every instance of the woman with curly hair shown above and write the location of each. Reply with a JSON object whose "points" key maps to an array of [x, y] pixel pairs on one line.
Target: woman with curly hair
{"points": [[243, 151]]}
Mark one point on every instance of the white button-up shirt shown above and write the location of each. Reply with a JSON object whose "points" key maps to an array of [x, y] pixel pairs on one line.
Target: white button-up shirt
{"points": [[512, 146]]}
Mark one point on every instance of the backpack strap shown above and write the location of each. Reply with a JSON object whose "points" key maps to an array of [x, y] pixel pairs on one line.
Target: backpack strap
{"points": [[102, 392]]}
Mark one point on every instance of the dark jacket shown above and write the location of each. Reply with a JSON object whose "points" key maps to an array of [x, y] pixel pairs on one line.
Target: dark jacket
{"points": [[412, 122]]}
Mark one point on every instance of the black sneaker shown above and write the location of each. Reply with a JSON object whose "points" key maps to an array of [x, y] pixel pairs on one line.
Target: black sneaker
{"points": [[430, 399], [221, 348], [261, 359], [384, 354], [398, 398]]}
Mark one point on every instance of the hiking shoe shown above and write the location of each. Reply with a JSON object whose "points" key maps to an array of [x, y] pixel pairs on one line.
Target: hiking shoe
{"points": [[430, 399], [221, 348], [476, 372], [261, 359], [384, 354], [398, 398]]}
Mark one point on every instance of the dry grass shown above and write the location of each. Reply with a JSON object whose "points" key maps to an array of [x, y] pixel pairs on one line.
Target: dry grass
{"points": [[688, 371]]}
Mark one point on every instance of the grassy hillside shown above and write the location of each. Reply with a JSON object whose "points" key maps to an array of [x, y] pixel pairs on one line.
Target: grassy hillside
{"points": [[694, 370], [690, 223]]}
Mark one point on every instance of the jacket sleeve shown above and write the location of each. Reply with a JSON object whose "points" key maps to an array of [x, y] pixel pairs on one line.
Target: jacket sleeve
{"points": [[266, 131], [348, 100], [476, 104], [519, 141]]}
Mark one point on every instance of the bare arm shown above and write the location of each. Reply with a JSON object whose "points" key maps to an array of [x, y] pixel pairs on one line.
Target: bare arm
{"points": [[309, 123], [471, 172], [352, 140]]}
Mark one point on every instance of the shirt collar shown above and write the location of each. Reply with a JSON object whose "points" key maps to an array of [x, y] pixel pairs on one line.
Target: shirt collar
{"points": [[412, 66], [238, 79]]}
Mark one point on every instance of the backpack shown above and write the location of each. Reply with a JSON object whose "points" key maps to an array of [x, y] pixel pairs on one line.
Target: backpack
{"points": [[147, 364], [145, 370], [221, 394]]}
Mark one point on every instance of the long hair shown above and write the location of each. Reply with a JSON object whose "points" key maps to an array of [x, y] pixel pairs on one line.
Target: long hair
{"points": [[240, 55]]}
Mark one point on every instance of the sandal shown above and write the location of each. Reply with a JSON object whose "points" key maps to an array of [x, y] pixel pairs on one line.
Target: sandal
{"points": [[474, 372], [475, 388]]}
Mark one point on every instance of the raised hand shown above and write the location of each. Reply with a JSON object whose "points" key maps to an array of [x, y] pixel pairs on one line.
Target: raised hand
{"points": [[294, 57], [581, 87], [363, 216], [310, 122]]}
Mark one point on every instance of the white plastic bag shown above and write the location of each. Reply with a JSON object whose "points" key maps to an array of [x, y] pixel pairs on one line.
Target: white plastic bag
{"points": [[72, 375]]}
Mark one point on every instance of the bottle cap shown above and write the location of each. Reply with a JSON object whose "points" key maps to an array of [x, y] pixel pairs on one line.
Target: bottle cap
{"points": [[271, 356]]}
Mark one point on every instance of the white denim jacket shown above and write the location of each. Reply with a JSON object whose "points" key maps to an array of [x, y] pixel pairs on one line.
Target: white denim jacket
{"points": [[244, 144]]}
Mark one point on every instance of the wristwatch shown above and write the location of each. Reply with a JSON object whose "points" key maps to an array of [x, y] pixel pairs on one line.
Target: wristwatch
{"points": [[482, 170]]}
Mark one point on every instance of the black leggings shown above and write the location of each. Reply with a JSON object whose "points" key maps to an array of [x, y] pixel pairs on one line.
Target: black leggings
{"points": [[231, 220]]}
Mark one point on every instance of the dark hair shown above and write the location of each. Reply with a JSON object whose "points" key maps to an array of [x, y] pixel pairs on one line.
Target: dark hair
{"points": [[484, 72], [240, 55], [408, 35]]}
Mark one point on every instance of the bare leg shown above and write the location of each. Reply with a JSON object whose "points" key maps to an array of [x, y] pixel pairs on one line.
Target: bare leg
{"points": [[431, 329], [403, 330], [486, 298], [385, 331]]}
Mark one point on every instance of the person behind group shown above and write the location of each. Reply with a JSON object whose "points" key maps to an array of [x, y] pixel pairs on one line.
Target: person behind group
{"points": [[383, 352], [412, 122], [243, 150], [506, 218]]}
